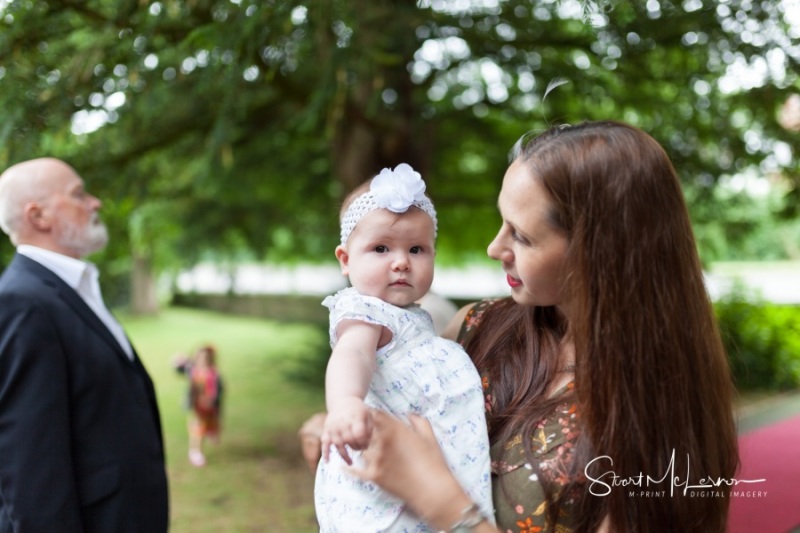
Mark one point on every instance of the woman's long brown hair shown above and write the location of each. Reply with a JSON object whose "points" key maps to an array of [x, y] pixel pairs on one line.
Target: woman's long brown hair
{"points": [[652, 380]]}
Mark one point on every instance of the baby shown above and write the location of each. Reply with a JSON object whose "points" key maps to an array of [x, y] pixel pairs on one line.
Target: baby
{"points": [[387, 356]]}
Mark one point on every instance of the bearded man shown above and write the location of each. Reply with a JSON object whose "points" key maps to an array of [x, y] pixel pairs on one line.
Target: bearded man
{"points": [[81, 448]]}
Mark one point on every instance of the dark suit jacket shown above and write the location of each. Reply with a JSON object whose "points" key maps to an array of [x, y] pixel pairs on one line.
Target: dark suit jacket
{"points": [[81, 448]]}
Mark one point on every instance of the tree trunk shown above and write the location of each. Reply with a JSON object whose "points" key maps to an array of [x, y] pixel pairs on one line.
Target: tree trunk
{"points": [[363, 145], [144, 293]]}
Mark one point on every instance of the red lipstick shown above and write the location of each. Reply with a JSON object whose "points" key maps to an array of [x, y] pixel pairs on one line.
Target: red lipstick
{"points": [[513, 282]]}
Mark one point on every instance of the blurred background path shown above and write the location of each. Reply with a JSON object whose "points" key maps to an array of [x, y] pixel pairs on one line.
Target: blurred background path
{"points": [[769, 449]]}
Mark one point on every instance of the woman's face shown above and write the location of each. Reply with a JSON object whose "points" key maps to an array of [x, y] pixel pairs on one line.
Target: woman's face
{"points": [[531, 248]]}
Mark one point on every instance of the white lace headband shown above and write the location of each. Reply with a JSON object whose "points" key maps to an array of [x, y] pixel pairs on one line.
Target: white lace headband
{"points": [[395, 190]]}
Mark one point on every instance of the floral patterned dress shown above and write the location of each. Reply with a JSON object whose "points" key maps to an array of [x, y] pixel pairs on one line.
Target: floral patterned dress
{"points": [[518, 489], [416, 372]]}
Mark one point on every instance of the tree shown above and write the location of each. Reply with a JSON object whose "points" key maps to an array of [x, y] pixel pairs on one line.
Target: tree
{"points": [[233, 127]]}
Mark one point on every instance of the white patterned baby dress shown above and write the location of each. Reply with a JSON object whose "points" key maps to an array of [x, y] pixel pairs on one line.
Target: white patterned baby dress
{"points": [[416, 372]]}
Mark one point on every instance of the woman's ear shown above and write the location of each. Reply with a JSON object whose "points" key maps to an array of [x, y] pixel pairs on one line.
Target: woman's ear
{"points": [[344, 259]]}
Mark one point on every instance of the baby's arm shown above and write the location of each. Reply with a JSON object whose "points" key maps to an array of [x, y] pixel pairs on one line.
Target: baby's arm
{"points": [[347, 380]]}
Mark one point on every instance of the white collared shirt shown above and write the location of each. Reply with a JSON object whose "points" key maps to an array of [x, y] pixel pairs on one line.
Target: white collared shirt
{"points": [[83, 277]]}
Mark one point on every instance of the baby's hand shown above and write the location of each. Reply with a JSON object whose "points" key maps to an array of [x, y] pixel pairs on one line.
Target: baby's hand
{"points": [[348, 424]]}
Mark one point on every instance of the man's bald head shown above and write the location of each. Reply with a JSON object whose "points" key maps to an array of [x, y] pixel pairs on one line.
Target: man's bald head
{"points": [[20, 184], [43, 203]]}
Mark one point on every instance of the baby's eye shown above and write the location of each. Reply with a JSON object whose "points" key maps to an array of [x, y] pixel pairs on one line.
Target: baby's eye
{"points": [[381, 249], [416, 249]]}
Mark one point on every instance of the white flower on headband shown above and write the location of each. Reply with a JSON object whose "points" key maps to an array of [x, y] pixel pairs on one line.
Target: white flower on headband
{"points": [[398, 189], [395, 190]]}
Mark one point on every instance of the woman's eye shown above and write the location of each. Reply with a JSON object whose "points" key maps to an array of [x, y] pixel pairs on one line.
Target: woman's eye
{"points": [[416, 249], [517, 237], [381, 249]]}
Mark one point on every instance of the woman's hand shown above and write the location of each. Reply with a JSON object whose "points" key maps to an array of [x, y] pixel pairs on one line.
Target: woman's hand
{"points": [[311, 440], [407, 462]]}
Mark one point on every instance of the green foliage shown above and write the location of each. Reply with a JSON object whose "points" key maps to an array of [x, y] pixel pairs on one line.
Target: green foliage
{"points": [[309, 368], [741, 226], [244, 123], [762, 340]]}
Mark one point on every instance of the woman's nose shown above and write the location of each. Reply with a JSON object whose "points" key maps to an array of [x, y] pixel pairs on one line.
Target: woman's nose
{"points": [[497, 250]]}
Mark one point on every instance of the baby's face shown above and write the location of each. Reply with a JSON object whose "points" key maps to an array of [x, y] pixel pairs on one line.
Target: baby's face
{"points": [[390, 256]]}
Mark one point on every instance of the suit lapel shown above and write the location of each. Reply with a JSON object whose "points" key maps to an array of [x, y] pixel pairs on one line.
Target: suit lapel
{"points": [[72, 298]]}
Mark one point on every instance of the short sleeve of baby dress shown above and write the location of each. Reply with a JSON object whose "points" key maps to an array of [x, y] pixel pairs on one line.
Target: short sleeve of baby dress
{"points": [[416, 372], [349, 304]]}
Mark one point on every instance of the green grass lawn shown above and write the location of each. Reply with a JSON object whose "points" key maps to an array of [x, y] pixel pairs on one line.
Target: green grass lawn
{"points": [[255, 479]]}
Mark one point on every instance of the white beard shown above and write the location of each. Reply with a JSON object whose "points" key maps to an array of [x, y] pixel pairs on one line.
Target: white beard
{"points": [[84, 240]]}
